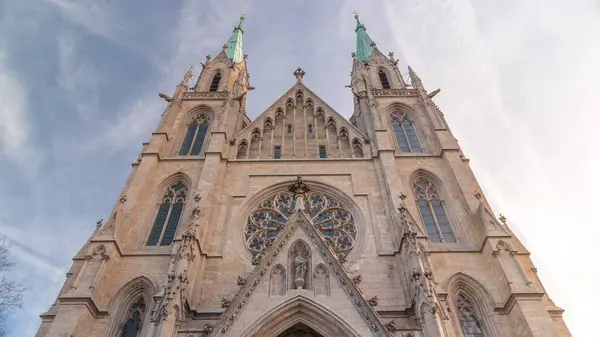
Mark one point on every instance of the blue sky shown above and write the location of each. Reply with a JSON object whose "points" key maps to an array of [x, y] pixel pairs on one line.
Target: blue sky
{"points": [[78, 95]]}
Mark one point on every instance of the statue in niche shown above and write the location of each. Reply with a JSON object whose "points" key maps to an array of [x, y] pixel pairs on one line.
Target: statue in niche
{"points": [[299, 270], [299, 264]]}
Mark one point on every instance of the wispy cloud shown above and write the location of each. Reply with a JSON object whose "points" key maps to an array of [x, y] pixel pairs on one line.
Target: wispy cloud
{"points": [[15, 142]]}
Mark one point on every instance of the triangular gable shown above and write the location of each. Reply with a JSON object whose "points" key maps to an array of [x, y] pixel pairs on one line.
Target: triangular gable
{"points": [[281, 101], [243, 311]]}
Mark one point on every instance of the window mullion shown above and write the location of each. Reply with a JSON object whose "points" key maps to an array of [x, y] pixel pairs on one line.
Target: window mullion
{"points": [[435, 220], [194, 139], [164, 226], [406, 137]]}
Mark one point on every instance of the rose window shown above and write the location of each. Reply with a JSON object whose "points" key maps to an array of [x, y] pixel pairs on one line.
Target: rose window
{"points": [[329, 217]]}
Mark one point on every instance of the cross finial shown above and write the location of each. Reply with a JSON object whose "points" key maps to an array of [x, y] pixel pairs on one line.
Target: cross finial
{"points": [[502, 219], [99, 224], [299, 73]]}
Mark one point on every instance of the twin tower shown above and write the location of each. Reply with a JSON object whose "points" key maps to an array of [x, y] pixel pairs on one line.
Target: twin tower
{"points": [[301, 223]]}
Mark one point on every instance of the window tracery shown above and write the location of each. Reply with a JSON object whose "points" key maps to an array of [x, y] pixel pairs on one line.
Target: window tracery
{"points": [[194, 137], [168, 215], [335, 222], [468, 320], [135, 317], [433, 213], [405, 133]]}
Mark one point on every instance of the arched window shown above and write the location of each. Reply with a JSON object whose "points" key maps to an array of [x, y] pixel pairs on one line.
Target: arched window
{"points": [[194, 137], [385, 84], [214, 85], [431, 207], [405, 133], [468, 320], [135, 318], [168, 215]]}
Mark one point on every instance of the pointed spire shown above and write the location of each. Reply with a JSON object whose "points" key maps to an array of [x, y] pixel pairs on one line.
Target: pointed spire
{"points": [[234, 49], [364, 44]]}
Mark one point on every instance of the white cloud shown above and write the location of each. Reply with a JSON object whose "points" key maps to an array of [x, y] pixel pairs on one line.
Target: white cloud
{"points": [[14, 126]]}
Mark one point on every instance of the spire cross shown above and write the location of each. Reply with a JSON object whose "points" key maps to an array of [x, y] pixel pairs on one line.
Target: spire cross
{"points": [[299, 73]]}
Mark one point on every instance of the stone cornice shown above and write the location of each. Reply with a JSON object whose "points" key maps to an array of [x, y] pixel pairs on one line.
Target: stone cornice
{"points": [[517, 297], [395, 92], [87, 301], [212, 95]]}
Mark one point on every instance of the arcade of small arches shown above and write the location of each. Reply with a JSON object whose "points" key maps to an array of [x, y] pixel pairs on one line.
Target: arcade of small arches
{"points": [[300, 131]]}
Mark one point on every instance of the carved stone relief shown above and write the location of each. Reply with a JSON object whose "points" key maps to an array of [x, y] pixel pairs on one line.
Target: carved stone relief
{"points": [[299, 257]]}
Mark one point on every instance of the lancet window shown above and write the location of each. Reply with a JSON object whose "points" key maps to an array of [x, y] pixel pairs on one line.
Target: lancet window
{"points": [[194, 136], [328, 215], [385, 84], [433, 213], [214, 85], [168, 215], [468, 319], [135, 318], [406, 135]]}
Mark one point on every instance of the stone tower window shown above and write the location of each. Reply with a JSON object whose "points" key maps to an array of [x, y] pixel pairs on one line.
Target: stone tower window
{"points": [[168, 215], [431, 207], [133, 325], [469, 323], [406, 135], [194, 137], [328, 215], [214, 85], [385, 84]]}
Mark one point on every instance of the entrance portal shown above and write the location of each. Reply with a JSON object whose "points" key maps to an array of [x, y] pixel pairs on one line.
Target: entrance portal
{"points": [[300, 330]]}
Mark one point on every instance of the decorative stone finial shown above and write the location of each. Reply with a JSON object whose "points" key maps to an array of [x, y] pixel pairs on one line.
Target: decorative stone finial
{"points": [[299, 187], [477, 195], [502, 219], [225, 303], [357, 279], [197, 198], [373, 301], [225, 46], [241, 281], [99, 224], [207, 57], [402, 196], [391, 326], [299, 73], [123, 199]]}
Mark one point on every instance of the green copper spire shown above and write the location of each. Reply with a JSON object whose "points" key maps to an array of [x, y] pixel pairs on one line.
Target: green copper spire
{"points": [[234, 51], [364, 44]]}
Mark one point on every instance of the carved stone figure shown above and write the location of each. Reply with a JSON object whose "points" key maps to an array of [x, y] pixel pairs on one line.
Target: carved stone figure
{"points": [[300, 264]]}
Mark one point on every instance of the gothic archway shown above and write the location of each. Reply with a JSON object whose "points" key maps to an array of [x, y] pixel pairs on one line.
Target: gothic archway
{"points": [[300, 330], [296, 314]]}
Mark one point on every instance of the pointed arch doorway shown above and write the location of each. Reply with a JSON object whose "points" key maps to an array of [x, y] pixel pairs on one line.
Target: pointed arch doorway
{"points": [[300, 330]]}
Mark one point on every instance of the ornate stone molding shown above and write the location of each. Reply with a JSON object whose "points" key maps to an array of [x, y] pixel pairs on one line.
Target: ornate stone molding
{"points": [[300, 219], [395, 92], [216, 95]]}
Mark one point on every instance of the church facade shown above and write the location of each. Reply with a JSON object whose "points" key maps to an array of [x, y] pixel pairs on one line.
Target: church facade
{"points": [[302, 223]]}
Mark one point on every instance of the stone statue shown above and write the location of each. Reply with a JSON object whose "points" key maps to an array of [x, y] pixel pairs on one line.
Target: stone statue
{"points": [[300, 264]]}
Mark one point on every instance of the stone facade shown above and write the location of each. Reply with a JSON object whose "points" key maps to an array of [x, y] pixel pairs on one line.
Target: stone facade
{"points": [[365, 266]]}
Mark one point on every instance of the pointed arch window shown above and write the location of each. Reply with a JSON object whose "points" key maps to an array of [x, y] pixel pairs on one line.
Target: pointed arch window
{"points": [[168, 215], [135, 318], [406, 135], [214, 85], [432, 210], [194, 136], [468, 319], [385, 84]]}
